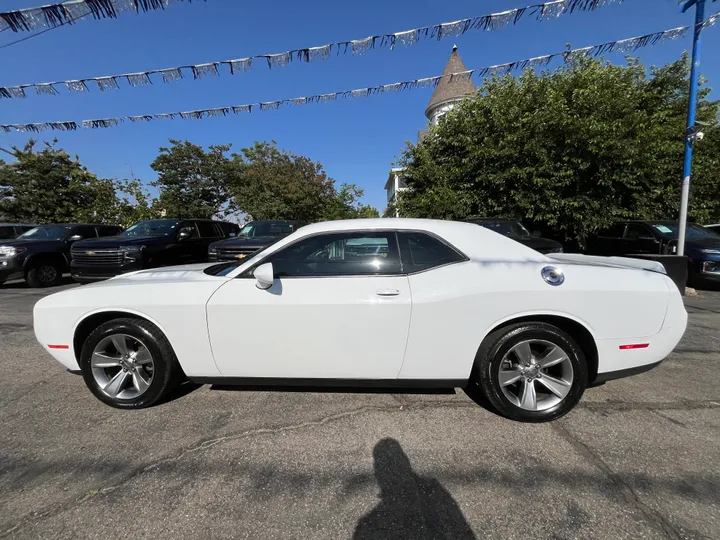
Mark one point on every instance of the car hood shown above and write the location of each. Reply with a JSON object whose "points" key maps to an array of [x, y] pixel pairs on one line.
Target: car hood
{"points": [[258, 241], [537, 242], [28, 243], [110, 242], [167, 274], [703, 243]]}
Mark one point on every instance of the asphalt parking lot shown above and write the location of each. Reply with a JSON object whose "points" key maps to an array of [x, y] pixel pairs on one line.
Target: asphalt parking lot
{"points": [[639, 458]]}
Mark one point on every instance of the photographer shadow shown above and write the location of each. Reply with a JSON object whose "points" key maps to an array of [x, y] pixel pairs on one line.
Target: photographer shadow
{"points": [[411, 506]]}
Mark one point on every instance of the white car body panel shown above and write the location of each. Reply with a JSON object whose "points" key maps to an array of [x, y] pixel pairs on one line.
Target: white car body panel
{"points": [[340, 327], [337, 328]]}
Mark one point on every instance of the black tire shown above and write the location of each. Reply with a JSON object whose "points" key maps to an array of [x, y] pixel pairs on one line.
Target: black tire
{"points": [[44, 274], [492, 352], [166, 369]]}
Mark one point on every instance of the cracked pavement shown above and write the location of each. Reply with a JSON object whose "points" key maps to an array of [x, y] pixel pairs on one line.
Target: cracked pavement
{"points": [[639, 458]]}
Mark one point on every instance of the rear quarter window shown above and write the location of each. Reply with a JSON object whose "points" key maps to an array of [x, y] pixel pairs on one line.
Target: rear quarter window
{"points": [[422, 251]]}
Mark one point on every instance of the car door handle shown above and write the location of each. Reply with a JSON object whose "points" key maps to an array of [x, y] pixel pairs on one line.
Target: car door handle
{"points": [[388, 292]]}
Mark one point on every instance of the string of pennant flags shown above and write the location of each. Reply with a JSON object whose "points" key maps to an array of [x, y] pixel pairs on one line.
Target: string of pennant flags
{"points": [[569, 56], [53, 15], [493, 21]]}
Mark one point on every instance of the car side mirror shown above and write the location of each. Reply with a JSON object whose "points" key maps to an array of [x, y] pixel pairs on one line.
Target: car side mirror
{"points": [[265, 276], [184, 235], [536, 233], [75, 238]]}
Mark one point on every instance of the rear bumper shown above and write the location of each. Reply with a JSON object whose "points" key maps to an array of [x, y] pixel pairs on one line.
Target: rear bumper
{"points": [[615, 362]]}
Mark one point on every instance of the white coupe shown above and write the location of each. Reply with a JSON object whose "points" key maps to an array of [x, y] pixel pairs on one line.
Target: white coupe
{"points": [[392, 302]]}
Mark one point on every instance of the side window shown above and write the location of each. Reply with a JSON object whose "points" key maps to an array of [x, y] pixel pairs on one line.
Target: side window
{"points": [[635, 230], [8, 232], [190, 228], [86, 231], [207, 229], [339, 254], [108, 231], [421, 251], [614, 231]]}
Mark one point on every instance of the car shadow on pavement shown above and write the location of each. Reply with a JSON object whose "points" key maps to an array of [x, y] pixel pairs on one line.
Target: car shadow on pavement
{"points": [[411, 506], [182, 390], [20, 284]]}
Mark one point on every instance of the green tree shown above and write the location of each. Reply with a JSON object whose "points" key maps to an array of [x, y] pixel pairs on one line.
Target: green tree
{"points": [[192, 181], [572, 150], [270, 183], [45, 186]]}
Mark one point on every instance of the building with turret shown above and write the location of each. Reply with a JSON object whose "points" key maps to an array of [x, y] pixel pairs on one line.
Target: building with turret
{"points": [[445, 97]]}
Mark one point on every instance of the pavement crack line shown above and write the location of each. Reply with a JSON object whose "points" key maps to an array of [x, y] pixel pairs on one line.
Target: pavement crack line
{"points": [[628, 492], [209, 443]]}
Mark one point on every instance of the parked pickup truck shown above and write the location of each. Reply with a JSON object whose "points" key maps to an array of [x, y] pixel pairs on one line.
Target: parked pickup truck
{"points": [[42, 254], [252, 237], [702, 246], [147, 244]]}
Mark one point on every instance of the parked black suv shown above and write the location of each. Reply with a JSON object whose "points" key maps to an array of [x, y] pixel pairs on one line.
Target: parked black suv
{"points": [[517, 231], [702, 245], [42, 254], [10, 231], [253, 236], [147, 244]]}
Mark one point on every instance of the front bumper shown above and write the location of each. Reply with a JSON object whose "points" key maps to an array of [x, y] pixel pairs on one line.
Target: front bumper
{"points": [[99, 273], [10, 268]]}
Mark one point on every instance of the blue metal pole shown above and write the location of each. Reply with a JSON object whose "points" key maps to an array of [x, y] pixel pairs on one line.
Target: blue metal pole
{"points": [[690, 133]]}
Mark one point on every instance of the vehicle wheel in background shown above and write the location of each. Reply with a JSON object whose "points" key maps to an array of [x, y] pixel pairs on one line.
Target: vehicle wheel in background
{"points": [[129, 363], [531, 371], [44, 274]]}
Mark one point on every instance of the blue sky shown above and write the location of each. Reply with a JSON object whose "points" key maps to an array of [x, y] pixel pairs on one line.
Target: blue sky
{"points": [[356, 140]]}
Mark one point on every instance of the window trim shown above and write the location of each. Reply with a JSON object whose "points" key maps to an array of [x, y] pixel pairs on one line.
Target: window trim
{"points": [[248, 274]]}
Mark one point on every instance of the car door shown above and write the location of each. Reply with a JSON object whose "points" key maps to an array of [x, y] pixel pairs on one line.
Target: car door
{"points": [[608, 241], [188, 247], [209, 232], [639, 239], [339, 309]]}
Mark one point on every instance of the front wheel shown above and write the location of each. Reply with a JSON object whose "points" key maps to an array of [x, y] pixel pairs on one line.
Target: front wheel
{"points": [[531, 372], [44, 274], [129, 364]]}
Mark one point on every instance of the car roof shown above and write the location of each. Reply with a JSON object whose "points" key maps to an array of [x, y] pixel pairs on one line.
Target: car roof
{"points": [[478, 243], [75, 225], [495, 220], [17, 225]]}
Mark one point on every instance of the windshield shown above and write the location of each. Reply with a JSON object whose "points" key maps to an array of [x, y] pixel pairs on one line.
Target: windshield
{"points": [[225, 268], [692, 232], [507, 228], [46, 232], [261, 228], [152, 227]]}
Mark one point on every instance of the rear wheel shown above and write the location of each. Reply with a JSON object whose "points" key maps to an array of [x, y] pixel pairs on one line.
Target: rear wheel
{"points": [[532, 372], [129, 364], [44, 274]]}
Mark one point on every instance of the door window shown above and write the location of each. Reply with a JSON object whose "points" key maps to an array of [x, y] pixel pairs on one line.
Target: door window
{"points": [[614, 231], [86, 231], [339, 254], [190, 228], [108, 231], [636, 230], [207, 229], [422, 251], [7, 232]]}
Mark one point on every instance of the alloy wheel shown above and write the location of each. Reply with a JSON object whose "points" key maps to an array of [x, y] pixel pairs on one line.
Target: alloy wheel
{"points": [[122, 366], [47, 273], [536, 375]]}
